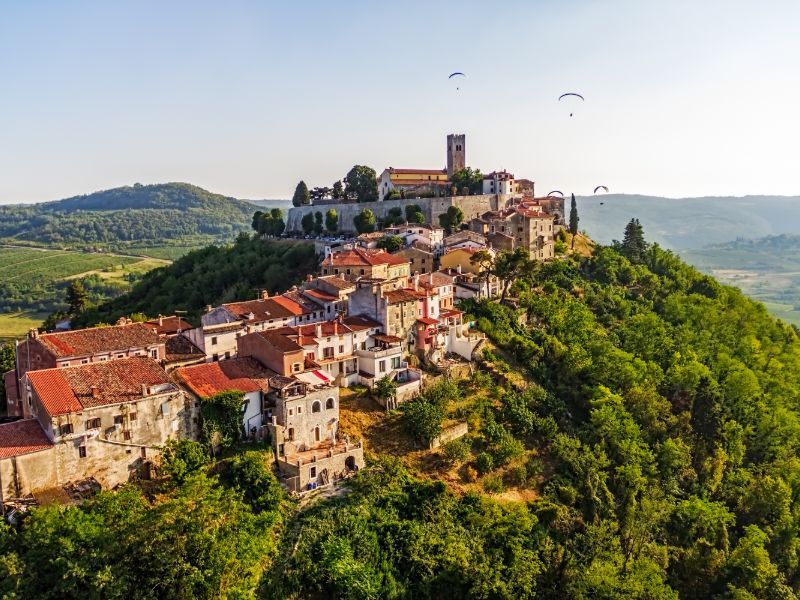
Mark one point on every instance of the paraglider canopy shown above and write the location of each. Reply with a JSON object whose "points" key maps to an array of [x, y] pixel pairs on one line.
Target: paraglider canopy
{"points": [[570, 94], [556, 192], [456, 74], [601, 187]]}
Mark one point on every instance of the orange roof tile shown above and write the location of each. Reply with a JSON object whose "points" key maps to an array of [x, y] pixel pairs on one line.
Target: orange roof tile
{"points": [[22, 437], [82, 342], [361, 257], [240, 374]]}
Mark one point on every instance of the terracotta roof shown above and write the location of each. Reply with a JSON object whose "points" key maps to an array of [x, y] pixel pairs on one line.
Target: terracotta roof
{"points": [[239, 374], [361, 257], [336, 281], [22, 437], [388, 339], [397, 296], [294, 300], [169, 325], [418, 182], [180, 348], [432, 280], [460, 236], [451, 312], [428, 321], [417, 171], [70, 389], [262, 309], [328, 328], [360, 322], [281, 342], [320, 295], [82, 342]]}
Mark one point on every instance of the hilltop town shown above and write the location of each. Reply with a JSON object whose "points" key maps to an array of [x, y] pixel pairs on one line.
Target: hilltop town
{"points": [[96, 406]]}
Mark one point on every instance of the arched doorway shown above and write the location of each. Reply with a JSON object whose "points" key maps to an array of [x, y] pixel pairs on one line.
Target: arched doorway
{"points": [[316, 434], [350, 463]]}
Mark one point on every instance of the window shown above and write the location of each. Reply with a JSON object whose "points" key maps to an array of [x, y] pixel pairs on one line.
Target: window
{"points": [[132, 416], [329, 403], [65, 364], [341, 349], [85, 361], [291, 412], [312, 472], [362, 271], [291, 433], [118, 419], [214, 341], [66, 429], [120, 356], [396, 362], [93, 424], [316, 407], [299, 409], [363, 345], [215, 357], [227, 354], [382, 366], [144, 452], [154, 353], [103, 358], [81, 451], [296, 367], [327, 352], [126, 435]]}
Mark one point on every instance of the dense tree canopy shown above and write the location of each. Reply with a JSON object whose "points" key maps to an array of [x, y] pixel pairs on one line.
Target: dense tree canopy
{"points": [[361, 184]]}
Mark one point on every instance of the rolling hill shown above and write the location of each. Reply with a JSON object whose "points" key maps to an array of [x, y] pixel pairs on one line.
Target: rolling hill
{"points": [[128, 218], [683, 223]]}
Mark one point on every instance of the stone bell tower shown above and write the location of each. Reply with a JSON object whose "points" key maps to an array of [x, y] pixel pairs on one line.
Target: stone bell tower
{"points": [[455, 153]]}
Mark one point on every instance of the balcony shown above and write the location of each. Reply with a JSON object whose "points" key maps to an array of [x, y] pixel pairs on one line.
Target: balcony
{"points": [[379, 352]]}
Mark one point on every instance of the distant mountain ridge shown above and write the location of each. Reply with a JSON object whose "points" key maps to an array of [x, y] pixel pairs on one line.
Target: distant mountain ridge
{"points": [[683, 223], [137, 213]]}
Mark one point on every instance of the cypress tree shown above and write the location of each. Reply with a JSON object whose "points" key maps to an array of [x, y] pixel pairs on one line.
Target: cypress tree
{"points": [[633, 244], [573, 220], [301, 195]]}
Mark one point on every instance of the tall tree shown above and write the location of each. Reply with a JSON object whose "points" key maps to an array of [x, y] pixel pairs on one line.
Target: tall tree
{"points": [[364, 222], [7, 362], [469, 179], [318, 223], [301, 195], [338, 190], [77, 297], [307, 223], [633, 245], [573, 220], [451, 220], [511, 266], [256, 223], [331, 220], [361, 184]]}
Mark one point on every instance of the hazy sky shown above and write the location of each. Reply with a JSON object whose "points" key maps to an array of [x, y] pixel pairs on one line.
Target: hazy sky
{"points": [[246, 98]]}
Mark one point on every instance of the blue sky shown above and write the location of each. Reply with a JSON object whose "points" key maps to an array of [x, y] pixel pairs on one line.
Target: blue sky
{"points": [[246, 98]]}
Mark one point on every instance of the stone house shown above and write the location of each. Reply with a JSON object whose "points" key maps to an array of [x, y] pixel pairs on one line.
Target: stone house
{"points": [[520, 226], [243, 374], [78, 347], [499, 182], [355, 263], [26, 460], [331, 292], [107, 420], [413, 182], [419, 256], [465, 239]]}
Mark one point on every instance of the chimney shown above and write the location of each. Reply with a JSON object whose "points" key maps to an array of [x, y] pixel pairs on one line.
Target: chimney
{"points": [[264, 294], [209, 308], [160, 320], [318, 330], [33, 333], [95, 391], [144, 389], [416, 281]]}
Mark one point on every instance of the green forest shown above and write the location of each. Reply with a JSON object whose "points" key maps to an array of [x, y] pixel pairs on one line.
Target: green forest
{"points": [[138, 215], [649, 412], [210, 276]]}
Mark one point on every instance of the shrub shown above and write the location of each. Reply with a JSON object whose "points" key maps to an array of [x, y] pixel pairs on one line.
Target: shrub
{"points": [[494, 484], [181, 458], [484, 463], [470, 474], [507, 449], [456, 451], [518, 475], [422, 420], [250, 474]]}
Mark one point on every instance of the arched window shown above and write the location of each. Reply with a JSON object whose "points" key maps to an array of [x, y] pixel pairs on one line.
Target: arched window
{"points": [[316, 407], [329, 403]]}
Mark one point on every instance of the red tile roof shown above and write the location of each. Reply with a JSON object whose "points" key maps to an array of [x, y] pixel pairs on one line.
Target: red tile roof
{"points": [[428, 321], [71, 389], [328, 328], [320, 295], [362, 257], [240, 374], [262, 309], [396, 296], [169, 325], [82, 342], [22, 437], [281, 342], [417, 171]]}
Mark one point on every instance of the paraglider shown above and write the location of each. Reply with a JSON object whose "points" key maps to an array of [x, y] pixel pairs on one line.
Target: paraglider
{"points": [[556, 192], [601, 187], [570, 94], [456, 74]]}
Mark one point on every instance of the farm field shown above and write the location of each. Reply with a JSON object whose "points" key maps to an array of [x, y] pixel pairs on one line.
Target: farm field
{"points": [[32, 281]]}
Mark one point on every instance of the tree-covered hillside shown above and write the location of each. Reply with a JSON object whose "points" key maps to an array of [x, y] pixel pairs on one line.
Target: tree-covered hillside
{"points": [[210, 276], [139, 214], [649, 414]]}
